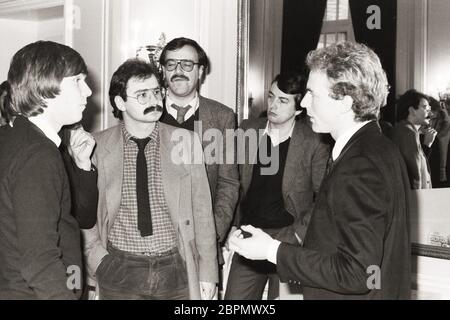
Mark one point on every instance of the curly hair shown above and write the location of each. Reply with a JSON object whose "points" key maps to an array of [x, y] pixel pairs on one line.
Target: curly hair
{"points": [[354, 70]]}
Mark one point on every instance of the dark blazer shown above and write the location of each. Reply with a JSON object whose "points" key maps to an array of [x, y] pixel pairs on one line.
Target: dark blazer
{"points": [[39, 238], [303, 173], [360, 220]]}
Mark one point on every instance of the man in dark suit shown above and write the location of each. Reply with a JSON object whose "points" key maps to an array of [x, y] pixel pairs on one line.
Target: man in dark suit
{"points": [[40, 248], [357, 243], [185, 65], [279, 202]]}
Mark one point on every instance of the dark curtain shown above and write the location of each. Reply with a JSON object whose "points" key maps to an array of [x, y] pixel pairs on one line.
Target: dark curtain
{"points": [[302, 23], [382, 41]]}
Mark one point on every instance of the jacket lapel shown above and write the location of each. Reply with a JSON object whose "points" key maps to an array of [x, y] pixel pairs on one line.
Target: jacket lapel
{"points": [[206, 119], [294, 157], [171, 174], [369, 128], [113, 168]]}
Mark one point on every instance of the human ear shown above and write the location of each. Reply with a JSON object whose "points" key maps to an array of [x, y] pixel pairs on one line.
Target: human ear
{"points": [[347, 103], [119, 103]]}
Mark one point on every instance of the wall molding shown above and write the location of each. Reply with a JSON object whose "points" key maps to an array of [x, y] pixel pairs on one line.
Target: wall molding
{"points": [[13, 6]]}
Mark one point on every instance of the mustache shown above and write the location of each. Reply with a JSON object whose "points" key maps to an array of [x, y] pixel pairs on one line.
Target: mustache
{"points": [[153, 108], [179, 76]]}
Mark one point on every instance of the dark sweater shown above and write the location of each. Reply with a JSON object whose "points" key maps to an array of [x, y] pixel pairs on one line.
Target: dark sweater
{"points": [[263, 205], [39, 238]]}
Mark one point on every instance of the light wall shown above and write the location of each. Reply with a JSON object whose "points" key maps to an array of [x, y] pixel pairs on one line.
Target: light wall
{"points": [[438, 47], [112, 30], [213, 24], [423, 49], [18, 34]]}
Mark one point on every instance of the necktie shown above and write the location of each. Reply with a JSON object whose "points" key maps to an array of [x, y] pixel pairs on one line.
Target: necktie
{"points": [[181, 112], [143, 202], [329, 164]]}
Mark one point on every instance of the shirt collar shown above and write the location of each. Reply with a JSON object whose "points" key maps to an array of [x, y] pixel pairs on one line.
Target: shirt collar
{"points": [[345, 137], [127, 136], [47, 129], [194, 103], [275, 136]]}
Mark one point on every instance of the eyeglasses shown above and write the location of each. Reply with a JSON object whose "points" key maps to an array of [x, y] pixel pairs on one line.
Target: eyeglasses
{"points": [[186, 65], [145, 96]]}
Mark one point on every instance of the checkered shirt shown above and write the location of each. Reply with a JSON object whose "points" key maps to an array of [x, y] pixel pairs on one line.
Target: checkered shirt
{"points": [[124, 234]]}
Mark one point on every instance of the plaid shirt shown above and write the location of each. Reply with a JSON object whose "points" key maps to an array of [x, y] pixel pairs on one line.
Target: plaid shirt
{"points": [[124, 234]]}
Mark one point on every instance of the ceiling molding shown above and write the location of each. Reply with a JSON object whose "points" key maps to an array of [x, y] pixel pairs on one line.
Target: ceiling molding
{"points": [[14, 6]]}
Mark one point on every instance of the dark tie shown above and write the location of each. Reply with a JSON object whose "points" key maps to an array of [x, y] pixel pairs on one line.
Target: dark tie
{"points": [[143, 202], [329, 164], [181, 112]]}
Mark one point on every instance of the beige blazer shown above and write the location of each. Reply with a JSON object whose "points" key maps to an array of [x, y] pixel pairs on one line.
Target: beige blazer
{"points": [[186, 192]]}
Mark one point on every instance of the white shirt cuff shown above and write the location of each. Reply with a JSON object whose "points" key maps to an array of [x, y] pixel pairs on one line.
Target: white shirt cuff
{"points": [[272, 251]]}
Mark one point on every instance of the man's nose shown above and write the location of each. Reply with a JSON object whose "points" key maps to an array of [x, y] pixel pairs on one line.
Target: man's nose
{"points": [[87, 91], [305, 103], [274, 105]]}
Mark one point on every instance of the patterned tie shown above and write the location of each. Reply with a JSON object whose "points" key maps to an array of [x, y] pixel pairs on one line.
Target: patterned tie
{"points": [[143, 202], [181, 112]]}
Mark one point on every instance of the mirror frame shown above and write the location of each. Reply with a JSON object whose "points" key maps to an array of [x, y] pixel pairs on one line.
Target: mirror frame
{"points": [[242, 106]]}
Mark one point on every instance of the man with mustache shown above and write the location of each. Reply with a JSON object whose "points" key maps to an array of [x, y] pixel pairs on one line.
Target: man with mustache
{"points": [[413, 112], [185, 65], [154, 237]]}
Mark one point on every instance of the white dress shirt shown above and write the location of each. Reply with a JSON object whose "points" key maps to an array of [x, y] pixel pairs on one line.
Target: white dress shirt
{"points": [[275, 136]]}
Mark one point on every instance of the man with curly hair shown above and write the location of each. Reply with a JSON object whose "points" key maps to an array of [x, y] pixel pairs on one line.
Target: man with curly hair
{"points": [[357, 243]]}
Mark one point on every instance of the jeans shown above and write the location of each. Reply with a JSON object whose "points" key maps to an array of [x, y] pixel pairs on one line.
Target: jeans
{"points": [[126, 276]]}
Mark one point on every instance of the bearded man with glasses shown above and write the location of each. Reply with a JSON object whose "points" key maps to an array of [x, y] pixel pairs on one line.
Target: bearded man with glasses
{"points": [[154, 237], [185, 65]]}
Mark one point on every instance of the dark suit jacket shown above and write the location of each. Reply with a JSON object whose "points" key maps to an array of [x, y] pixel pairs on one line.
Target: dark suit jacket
{"points": [[303, 173], [360, 220], [39, 239], [223, 178]]}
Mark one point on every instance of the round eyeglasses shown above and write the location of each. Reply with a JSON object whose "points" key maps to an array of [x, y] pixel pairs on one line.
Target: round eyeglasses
{"points": [[144, 97], [186, 65]]}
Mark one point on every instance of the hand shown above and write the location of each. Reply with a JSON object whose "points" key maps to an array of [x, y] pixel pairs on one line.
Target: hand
{"points": [[428, 136], [207, 290], [80, 148], [254, 247], [227, 243]]}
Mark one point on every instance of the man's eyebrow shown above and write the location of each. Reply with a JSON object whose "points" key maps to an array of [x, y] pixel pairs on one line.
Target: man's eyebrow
{"points": [[142, 90]]}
